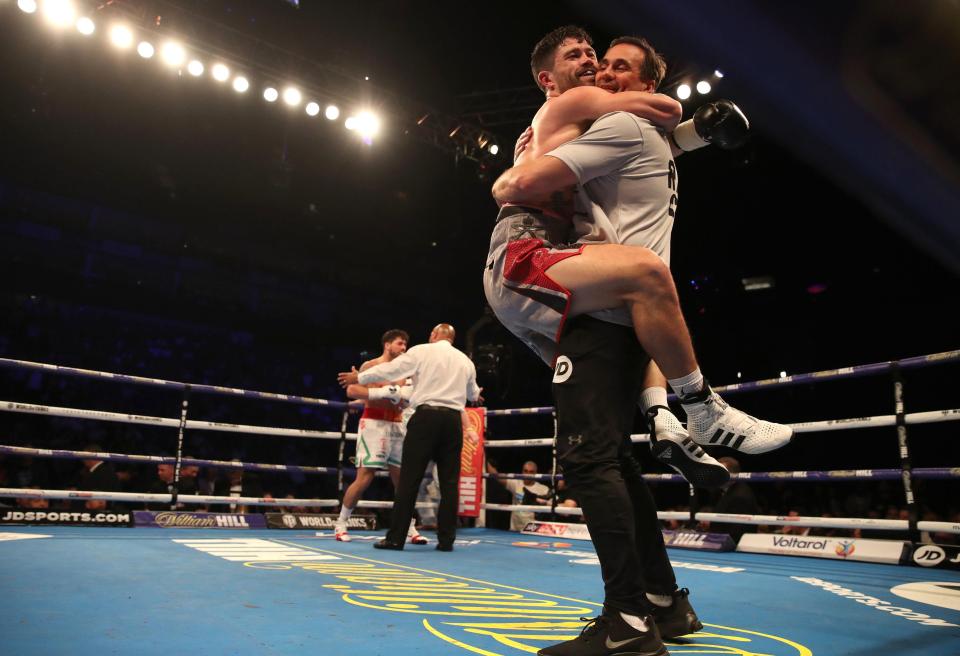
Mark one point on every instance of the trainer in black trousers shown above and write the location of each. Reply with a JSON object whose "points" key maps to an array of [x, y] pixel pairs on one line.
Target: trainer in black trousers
{"points": [[443, 380], [598, 378], [596, 383]]}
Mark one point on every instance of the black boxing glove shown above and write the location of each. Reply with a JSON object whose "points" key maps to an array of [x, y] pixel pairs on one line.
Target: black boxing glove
{"points": [[720, 123]]}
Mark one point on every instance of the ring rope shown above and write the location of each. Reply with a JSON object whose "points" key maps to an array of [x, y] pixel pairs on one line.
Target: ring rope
{"points": [[940, 473], [102, 415], [159, 382], [195, 499], [824, 522], [777, 520], [123, 457], [636, 438], [814, 377]]}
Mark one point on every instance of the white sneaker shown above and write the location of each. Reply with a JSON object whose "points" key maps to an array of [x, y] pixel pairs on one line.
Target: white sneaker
{"points": [[340, 531], [413, 536], [712, 422], [671, 445]]}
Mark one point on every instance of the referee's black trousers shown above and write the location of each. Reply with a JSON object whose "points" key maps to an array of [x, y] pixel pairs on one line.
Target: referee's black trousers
{"points": [[433, 433], [597, 382]]}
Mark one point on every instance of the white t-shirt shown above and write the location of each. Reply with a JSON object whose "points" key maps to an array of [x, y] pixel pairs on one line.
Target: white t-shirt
{"points": [[442, 375]]}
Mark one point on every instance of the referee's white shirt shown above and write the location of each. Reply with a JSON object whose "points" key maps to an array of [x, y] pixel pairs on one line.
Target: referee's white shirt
{"points": [[442, 375]]}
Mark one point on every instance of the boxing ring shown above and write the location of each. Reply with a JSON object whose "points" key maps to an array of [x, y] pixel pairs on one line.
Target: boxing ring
{"points": [[79, 590]]}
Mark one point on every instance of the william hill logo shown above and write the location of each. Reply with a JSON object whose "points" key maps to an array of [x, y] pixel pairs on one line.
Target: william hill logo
{"points": [[190, 520], [479, 617]]}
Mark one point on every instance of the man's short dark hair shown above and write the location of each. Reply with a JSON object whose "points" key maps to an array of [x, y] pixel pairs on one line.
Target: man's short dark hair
{"points": [[391, 335], [654, 67], [543, 53]]}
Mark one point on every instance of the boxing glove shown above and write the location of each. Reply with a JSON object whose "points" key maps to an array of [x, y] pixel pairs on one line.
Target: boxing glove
{"points": [[720, 123]]}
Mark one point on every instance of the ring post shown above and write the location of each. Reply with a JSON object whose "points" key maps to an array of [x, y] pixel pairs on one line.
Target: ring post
{"points": [[342, 448], [553, 465], [185, 403], [906, 470]]}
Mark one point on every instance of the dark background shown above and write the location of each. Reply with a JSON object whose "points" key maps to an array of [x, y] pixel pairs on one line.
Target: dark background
{"points": [[157, 224]]}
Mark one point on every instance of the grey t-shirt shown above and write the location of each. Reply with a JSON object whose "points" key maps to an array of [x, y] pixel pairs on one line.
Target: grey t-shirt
{"points": [[628, 188], [624, 165]]}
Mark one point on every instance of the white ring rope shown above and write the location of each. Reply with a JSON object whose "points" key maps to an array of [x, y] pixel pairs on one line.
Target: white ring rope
{"points": [[196, 499], [101, 415], [775, 520], [135, 458], [637, 438]]}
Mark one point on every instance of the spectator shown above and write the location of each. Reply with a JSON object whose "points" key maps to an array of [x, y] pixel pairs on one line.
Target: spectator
{"points": [[791, 529], [33, 503], [737, 498], [163, 484], [238, 484], [565, 497], [97, 476], [526, 492]]}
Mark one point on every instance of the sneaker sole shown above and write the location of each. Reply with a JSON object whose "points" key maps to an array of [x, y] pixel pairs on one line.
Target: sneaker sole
{"points": [[660, 652], [696, 473], [679, 628]]}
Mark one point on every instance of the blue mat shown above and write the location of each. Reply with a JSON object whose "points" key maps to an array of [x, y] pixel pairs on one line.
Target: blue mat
{"points": [[155, 591]]}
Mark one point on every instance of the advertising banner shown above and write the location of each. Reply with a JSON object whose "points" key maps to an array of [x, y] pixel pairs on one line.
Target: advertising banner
{"points": [[471, 464], [318, 520], [558, 529], [172, 519], [698, 541], [941, 556], [871, 551], [66, 517]]}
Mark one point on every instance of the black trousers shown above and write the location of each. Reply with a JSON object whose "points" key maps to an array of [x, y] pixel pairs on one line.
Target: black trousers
{"points": [[598, 378], [433, 433]]}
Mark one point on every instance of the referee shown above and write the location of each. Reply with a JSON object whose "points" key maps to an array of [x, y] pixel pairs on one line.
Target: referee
{"points": [[443, 380]]}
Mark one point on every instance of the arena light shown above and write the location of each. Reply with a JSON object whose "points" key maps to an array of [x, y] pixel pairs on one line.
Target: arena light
{"points": [[332, 112], [173, 53], [59, 13], [703, 87], [783, 374], [368, 125], [718, 74], [312, 109], [121, 36], [683, 91], [494, 149], [195, 68], [350, 123], [240, 84], [145, 49], [220, 72], [85, 26], [270, 94], [292, 96], [27, 6]]}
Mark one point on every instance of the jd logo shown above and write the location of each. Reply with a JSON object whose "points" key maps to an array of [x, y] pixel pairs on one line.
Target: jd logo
{"points": [[929, 555], [563, 371]]}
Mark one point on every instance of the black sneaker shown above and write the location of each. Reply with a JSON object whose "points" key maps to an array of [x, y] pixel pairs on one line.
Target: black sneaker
{"points": [[610, 635], [677, 619], [387, 544], [671, 445]]}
